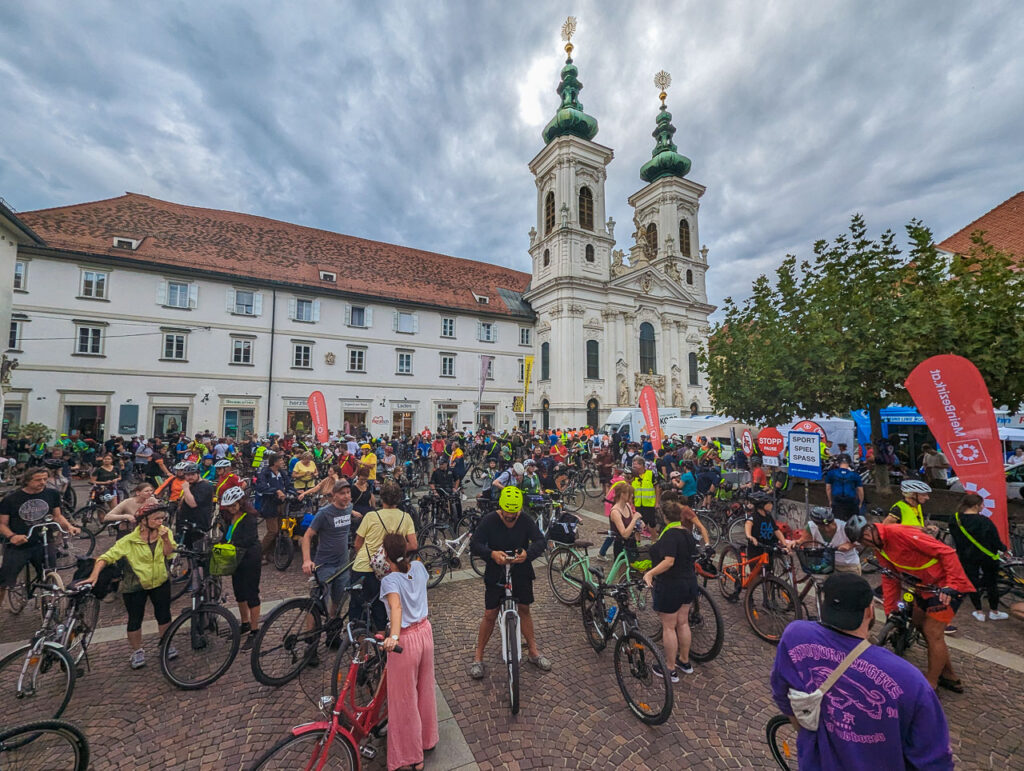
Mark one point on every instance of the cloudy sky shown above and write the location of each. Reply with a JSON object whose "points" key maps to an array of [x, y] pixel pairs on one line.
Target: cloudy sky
{"points": [[414, 122]]}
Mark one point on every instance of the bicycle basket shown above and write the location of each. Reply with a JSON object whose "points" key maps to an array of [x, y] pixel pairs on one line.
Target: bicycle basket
{"points": [[639, 557], [816, 559], [564, 529]]}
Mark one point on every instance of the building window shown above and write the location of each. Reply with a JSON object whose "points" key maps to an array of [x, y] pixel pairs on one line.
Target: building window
{"points": [[652, 240], [522, 370], [245, 303], [21, 275], [406, 323], [684, 238], [545, 361], [524, 335], [549, 213], [488, 332], [694, 375], [689, 277], [490, 368], [447, 327], [404, 363], [589, 253], [547, 257], [593, 369], [241, 351], [305, 310], [94, 285], [174, 346], [326, 275], [14, 340], [358, 316], [648, 357], [357, 360], [586, 209], [89, 341], [447, 365], [178, 294], [302, 356]]}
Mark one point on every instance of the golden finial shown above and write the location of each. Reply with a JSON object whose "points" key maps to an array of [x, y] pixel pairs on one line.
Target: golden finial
{"points": [[568, 30], [662, 81]]}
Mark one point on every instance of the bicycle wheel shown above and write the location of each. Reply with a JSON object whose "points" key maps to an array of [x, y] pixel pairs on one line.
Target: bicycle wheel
{"points": [[179, 570], [307, 751], [781, 736], [36, 686], [479, 564], [436, 563], [713, 528], [467, 522], [89, 517], [730, 573], [44, 744], [17, 595], [477, 476], [566, 575], [572, 500], [512, 665], [367, 676], [647, 617], [69, 499], [431, 534], [80, 631], [770, 605], [736, 530], [284, 550], [71, 548], [707, 629], [593, 614], [287, 641], [199, 646], [647, 695]]}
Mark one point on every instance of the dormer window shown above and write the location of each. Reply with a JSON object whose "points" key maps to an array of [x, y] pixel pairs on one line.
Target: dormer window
{"points": [[482, 299], [328, 276], [126, 243]]}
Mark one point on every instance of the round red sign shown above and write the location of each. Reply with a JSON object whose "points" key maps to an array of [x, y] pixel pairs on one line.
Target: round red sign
{"points": [[770, 442], [748, 443], [809, 426]]}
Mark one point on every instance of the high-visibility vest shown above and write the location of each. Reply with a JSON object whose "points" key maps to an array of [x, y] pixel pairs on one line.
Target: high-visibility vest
{"points": [[643, 490], [909, 515], [257, 457]]}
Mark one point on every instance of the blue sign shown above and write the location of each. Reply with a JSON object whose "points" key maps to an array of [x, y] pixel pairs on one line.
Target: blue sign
{"points": [[804, 455]]}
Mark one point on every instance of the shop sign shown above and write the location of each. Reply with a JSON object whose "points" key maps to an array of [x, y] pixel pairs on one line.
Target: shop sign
{"points": [[238, 402], [379, 420], [298, 403]]}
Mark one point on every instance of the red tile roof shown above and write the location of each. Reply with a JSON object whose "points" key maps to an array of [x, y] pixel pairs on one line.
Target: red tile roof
{"points": [[244, 245], [1003, 227]]}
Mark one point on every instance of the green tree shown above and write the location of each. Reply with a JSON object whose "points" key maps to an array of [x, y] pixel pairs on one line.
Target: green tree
{"points": [[34, 432]]}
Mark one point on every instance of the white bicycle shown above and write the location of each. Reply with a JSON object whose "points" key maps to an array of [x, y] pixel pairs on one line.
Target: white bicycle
{"points": [[511, 651]]}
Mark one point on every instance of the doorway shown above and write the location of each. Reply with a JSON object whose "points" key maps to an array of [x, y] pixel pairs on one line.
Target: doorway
{"points": [[592, 414], [545, 414], [85, 421]]}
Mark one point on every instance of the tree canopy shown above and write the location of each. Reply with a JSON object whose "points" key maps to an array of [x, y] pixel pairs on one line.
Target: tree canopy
{"points": [[843, 330]]}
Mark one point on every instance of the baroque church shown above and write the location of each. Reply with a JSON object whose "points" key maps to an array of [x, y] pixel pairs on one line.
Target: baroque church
{"points": [[609, 323]]}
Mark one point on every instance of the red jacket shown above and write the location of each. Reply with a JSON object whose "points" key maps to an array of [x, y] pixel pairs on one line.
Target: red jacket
{"points": [[909, 547]]}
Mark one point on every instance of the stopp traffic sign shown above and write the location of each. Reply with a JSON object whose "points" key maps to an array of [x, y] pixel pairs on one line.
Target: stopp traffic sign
{"points": [[770, 442]]}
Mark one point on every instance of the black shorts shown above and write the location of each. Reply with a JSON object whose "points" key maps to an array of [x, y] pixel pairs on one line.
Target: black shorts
{"points": [[15, 560], [648, 514], [670, 596], [245, 581], [522, 590], [844, 508]]}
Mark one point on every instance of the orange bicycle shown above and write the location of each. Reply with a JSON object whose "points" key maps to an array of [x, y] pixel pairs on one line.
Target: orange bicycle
{"points": [[771, 602]]}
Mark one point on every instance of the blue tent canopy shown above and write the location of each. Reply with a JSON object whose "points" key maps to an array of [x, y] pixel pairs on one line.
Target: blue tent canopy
{"points": [[891, 416]]}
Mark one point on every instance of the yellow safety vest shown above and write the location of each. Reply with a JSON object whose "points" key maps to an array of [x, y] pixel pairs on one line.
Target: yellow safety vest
{"points": [[909, 515], [643, 490], [257, 457]]}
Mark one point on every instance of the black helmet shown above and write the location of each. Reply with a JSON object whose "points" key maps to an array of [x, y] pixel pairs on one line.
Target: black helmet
{"points": [[855, 526], [190, 468], [760, 498], [53, 463], [821, 516]]}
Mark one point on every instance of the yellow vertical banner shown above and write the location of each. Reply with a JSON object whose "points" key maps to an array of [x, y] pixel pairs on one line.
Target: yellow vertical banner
{"points": [[527, 374]]}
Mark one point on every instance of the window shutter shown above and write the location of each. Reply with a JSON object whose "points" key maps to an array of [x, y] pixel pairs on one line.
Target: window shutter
{"points": [[257, 303], [494, 332], [161, 293], [394, 321], [291, 309], [368, 317], [316, 310], [193, 295], [479, 331], [415, 323], [348, 315], [231, 301]]}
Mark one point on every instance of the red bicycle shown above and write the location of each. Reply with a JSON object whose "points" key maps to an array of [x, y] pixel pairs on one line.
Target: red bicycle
{"points": [[341, 739]]}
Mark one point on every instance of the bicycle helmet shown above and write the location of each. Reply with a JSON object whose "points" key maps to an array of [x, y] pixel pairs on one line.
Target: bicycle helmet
{"points": [[914, 486], [821, 516], [53, 463], [518, 469], [232, 496], [190, 468], [180, 467], [511, 500], [760, 498], [222, 463], [855, 526]]}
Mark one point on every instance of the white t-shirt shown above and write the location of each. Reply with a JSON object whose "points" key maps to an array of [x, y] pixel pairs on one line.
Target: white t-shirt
{"points": [[842, 557], [411, 589]]}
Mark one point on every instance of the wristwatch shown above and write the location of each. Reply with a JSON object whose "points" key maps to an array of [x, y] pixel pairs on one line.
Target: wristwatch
{"points": [[394, 637]]}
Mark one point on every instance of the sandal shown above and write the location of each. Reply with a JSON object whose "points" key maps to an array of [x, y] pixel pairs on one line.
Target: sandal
{"points": [[956, 686]]}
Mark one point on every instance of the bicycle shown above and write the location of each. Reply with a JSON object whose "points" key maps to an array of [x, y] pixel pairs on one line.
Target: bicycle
{"points": [[337, 741], [439, 555], [509, 630], [1011, 577], [44, 744], [284, 544], [899, 630], [201, 643], [781, 734], [62, 553], [636, 654], [770, 602], [180, 566]]}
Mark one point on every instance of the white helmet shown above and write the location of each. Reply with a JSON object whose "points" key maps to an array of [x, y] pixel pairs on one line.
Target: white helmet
{"points": [[231, 496], [518, 469], [914, 486], [222, 463]]}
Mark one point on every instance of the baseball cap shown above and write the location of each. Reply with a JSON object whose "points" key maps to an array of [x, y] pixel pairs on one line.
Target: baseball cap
{"points": [[846, 595]]}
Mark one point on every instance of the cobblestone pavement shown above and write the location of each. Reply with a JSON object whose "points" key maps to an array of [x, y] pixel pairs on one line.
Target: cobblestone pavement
{"points": [[571, 717]]}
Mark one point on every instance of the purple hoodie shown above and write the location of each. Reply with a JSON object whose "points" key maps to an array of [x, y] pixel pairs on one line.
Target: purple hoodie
{"points": [[880, 714]]}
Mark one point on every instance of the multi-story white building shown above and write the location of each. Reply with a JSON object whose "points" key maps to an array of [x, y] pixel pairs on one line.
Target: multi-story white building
{"points": [[139, 316]]}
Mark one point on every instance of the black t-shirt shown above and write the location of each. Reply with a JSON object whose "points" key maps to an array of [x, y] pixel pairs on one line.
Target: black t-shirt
{"points": [[675, 542], [102, 475], [764, 527], [202, 513], [442, 479], [152, 468], [706, 479], [493, 535], [27, 509]]}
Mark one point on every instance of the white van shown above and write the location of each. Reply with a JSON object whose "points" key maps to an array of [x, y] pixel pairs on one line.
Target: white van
{"points": [[630, 420]]}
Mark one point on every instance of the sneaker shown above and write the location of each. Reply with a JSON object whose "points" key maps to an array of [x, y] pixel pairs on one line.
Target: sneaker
{"points": [[997, 615], [476, 670], [249, 640], [138, 659], [172, 653], [245, 628], [314, 660], [684, 666], [672, 675], [950, 629], [979, 614]]}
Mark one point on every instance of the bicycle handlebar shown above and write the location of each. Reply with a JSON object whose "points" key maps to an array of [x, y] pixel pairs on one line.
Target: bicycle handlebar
{"points": [[912, 583], [48, 523]]}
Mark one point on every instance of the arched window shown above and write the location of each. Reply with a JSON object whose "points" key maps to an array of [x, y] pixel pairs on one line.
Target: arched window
{"points": [[549, 213], [545, 361], [586, 209], [694, 409], [547, 257], [652, 239], [545, 411], [684, 238], [592, 413], [694, 375], [648, 357], [689, 277], [593, 369], [589, 253]]}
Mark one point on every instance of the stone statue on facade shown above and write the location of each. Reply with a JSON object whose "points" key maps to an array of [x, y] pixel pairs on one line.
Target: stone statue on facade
{"points": [[623, 391]]}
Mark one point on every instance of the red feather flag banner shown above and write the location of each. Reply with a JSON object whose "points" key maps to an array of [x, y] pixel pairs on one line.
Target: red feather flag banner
{"points": [[318, 413], [649, 408]]}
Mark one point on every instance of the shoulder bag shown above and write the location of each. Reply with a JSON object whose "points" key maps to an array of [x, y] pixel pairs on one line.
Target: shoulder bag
{"points": [[379, 560], [224, 557], [807, 706]]}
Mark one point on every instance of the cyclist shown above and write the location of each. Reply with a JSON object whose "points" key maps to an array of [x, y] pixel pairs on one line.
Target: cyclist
{"points": [[844, 488], [331, 525], [824, 528], [369, 459], [503, 531], [760, 527], [512, 477], [645, 493], [273, 485], [225, 479], [106, 477], [978, 545], [908, 511], [241, 528], [196, 505], [20, 510], [911, 552]]}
